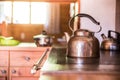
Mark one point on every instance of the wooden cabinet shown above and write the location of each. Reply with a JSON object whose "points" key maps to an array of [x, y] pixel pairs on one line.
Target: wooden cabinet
{"points": [[22, 73], [24, 58], [4, 58], [3, 73], [21, 63], [4, 65], [16, 63]]}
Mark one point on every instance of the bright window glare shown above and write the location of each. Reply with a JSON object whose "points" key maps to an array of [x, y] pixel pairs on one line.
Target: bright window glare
{"points": [[39, 12], [24, 12], [21, 12], [5, 11]]}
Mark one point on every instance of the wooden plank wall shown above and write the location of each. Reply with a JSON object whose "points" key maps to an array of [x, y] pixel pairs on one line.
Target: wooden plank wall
{"points": [[24, 32], [117, 26]]}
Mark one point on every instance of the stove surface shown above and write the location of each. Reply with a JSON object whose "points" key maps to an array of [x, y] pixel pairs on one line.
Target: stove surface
{"points": [[108, 62]]}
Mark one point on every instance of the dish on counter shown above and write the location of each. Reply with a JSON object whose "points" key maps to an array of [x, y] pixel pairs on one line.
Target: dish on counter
{"points": [[8, 41]]}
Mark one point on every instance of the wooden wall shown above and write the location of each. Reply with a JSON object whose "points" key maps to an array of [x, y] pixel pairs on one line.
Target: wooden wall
{"points": [[25, 32], [64, 19], [117, 26]]}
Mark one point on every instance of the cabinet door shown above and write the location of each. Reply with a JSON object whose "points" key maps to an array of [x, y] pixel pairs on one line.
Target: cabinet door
{"points": [[4, 58], [24, 78], [3, 73], [23, 71], [22, 58], [3, 78]]}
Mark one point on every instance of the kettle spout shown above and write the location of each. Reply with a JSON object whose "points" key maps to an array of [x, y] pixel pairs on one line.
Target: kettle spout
{"points": [[67, 36]]}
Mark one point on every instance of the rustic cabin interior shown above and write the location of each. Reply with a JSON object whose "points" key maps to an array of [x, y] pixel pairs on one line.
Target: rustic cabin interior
{"points": [[59, 39], [23, 22]]}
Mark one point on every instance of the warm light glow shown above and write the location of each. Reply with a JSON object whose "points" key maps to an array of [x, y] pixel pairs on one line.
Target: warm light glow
{"points": [[24, 12], [5, 11], [39, 12], [21, 12]]}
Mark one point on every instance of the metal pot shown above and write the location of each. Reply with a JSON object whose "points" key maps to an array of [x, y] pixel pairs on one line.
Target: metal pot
{"points": [[110, 43], [43, 39]]}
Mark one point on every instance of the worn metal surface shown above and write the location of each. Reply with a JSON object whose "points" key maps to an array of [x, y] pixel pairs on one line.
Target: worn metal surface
{"points": [[107, 64]]}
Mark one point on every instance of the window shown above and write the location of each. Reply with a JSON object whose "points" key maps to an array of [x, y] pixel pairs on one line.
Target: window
{"points": [[38, 12], [23, 12], [5, 11]]}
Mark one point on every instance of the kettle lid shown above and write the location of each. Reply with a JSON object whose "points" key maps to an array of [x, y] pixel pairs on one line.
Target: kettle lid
{"points": [[83, 32]]}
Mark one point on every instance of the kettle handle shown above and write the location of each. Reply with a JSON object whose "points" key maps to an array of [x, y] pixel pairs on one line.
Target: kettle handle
{"points": [[88, 16], [117, 34]]}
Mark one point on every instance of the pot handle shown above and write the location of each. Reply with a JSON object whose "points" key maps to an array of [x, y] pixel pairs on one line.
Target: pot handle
{"points": [[37, 64], [88, 16]]}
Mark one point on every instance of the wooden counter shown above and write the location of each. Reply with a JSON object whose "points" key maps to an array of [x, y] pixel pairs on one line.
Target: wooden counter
{"points": [[107, 67], [16, 62]]}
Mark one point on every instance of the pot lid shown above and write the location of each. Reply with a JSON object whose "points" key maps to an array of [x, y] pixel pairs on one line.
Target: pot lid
{"points": [[39, 36], [42, 35]]}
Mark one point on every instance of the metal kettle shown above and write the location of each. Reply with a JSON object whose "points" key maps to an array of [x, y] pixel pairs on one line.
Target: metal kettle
{"points": [[111, 43], [83, 43]]}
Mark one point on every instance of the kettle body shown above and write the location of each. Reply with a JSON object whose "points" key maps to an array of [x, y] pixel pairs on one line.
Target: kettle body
{"points": [[110, 43], [83, 46], [83, 43]]}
